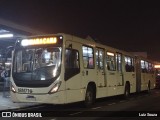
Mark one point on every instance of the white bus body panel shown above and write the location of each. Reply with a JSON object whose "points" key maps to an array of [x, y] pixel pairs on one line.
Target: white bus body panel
{"points": [[111, 83], [131, 77], [40, 94], [56, 98]]}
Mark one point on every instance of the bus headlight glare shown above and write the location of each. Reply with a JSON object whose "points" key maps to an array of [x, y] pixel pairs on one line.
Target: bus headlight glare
{"points": [[55, 88]]}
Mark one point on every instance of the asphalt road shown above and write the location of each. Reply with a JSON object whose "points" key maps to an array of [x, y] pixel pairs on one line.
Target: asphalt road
{"points": [[138, 106]]}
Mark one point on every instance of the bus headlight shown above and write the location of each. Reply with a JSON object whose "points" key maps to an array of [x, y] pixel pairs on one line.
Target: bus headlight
{"points": [[13, 89], [55, 88]]}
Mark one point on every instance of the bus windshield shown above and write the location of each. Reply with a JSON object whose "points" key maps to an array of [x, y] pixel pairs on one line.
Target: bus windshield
{"points": [[36, 66]]}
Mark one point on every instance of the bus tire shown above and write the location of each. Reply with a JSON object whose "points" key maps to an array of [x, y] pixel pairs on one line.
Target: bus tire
{"points": [[127, 91], [89, 97]]}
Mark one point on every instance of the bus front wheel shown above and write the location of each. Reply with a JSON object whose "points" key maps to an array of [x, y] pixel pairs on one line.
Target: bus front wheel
{"points": [[89, 97]]}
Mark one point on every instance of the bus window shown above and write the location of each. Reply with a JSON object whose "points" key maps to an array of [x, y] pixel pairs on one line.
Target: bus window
{"points": [[72, 66], [119, 62], [111, 61], [35, 64], [129, 64], [152, 69], [99, 59], [144, 66], [149, 67], [88, 60], [47, 57]]}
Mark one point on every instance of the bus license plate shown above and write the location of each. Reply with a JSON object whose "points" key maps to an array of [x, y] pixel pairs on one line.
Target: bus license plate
{"points": [[31, 98]]}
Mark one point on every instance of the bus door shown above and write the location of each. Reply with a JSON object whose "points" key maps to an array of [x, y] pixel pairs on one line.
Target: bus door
{"points": [[111, 74], [88, 70], [100, 67], [72, 74], [120, 81]]}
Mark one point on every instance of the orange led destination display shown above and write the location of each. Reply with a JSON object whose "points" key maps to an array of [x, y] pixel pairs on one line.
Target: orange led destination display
{"points": [[39, 41]]}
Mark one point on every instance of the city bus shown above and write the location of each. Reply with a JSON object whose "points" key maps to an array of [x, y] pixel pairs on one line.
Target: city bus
{"points": [[62, 68]]}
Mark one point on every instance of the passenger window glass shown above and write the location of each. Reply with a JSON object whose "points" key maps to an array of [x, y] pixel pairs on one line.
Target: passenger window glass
{"points": [[88, 60], [101, 54], [129, 64], [144, 66], [99, 58], [147, 67], [72, 65], [72, 59], [111, 61], [119, 61]]}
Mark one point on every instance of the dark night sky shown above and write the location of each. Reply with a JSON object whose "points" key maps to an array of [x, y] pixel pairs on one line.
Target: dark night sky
{"points": [[130, 25]]}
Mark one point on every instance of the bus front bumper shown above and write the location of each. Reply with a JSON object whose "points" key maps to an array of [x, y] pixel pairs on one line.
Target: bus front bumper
{"points": [[56, 98]]}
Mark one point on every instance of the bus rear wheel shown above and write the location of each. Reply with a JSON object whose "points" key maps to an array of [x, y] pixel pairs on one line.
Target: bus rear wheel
{"points": [[89, 97], [126, 91], [149, 88]]}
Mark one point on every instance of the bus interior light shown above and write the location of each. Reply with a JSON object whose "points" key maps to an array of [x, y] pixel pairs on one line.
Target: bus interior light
{"points": [[110, 54]]}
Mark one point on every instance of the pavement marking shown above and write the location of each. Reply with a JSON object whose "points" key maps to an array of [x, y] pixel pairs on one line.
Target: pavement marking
{"points": [[96, 108], [111, 103], [75, 113]]}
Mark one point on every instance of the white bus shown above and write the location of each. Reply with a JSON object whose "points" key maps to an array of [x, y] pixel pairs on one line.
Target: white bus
{"points": [[61, 69]]}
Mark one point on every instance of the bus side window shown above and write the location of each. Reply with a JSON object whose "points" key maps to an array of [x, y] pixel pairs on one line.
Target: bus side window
{"points": [[129, 64], [110, 59], [72, 66], [88, 57]]}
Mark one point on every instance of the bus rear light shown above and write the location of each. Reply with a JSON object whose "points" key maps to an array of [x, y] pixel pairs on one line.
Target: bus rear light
{"points": [[55, 88], [13, 89]]}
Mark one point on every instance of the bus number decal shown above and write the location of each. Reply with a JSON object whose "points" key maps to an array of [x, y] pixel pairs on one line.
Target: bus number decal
{"points": [[24, 90]]}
